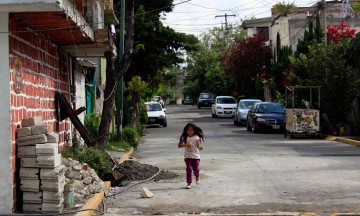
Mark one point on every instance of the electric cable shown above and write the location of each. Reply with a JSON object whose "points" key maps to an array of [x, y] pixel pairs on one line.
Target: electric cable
{"points": [[137, 183]]}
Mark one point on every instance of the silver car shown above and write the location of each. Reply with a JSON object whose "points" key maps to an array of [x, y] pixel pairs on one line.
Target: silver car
{"points": [[242, 110]]}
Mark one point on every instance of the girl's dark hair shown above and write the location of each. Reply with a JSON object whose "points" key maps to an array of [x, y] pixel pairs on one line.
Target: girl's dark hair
{"points": [[197, 131]]}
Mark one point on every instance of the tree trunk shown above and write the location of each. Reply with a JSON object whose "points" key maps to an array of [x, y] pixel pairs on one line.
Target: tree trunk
{"points": [[114, 75], [136, 109], [109, 96]]}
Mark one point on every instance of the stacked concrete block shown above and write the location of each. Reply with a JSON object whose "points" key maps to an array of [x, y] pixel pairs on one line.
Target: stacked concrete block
{"points": [[42, 177]]}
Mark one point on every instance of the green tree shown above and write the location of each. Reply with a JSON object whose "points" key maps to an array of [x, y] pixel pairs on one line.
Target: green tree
{"points": [[283, 8], [246, 60], [325, 66]]}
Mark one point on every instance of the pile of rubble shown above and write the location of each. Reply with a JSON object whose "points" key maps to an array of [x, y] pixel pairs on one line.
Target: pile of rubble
{"points": [[83, 179]]}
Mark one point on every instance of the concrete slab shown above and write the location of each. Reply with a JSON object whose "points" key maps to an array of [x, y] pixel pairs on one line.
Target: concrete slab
{"points": [[52, 138], [48, 161], [41, 129], [31, 208], [44, 149], [30, 185], [23, 132], [53, 197], [53, 185], [52, 207], [37, 120], [32, 197], [26, 152], [29, 173], [28, 162], [31, 140], [52, 173]]}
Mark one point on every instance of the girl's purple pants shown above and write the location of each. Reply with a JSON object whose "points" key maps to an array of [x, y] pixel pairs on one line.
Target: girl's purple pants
{"points": [[192, 165]]}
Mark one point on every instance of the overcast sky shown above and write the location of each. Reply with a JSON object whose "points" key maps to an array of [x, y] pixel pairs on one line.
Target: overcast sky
{"points": [[197, 16]]}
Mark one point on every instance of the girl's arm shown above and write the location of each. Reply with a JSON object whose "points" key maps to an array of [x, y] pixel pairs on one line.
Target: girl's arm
{"points": [[198, 143], [182, 144]]}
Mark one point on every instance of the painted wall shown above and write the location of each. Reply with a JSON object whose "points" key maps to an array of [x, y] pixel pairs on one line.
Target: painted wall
{"points": [[80, 92], [7, 148]]}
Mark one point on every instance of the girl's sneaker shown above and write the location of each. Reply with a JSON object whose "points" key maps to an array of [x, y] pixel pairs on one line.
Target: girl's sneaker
{"points": [[197, 180], [188, 187]]}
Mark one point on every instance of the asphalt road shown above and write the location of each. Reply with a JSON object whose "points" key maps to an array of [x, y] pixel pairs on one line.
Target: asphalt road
{"points": [[243, 172]]}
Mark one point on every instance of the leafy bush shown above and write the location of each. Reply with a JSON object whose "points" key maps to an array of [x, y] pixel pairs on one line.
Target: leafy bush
{"points": [[92, 123], [130, 135]]}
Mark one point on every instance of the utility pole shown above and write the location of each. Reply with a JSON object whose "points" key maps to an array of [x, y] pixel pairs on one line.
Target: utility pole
{"points": [[120, 87], [226, 24], [323, 19]]}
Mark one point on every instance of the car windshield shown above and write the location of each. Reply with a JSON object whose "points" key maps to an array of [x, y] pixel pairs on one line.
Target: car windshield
{"points": [[226, 100], [270, 108], [206, 96], [246, 104], [153, 107]]}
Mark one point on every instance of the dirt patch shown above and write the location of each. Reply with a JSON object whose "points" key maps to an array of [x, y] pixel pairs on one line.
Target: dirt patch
{"points": [[133, 170]]}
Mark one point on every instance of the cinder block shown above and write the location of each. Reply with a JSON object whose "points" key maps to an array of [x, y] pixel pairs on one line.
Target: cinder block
{"points": [[52, 138], [28, 162], [32, 197], [26, 152], [23, 132], [48, 161], [53, 197], [30, 208], [53, 185], [52, 207], [28, 122], [30, 185], [47, 149], [41, 129], [29, 173], [52, 173], [31, 140]]}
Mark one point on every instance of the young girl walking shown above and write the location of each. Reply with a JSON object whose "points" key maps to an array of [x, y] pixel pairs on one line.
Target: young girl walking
{"points": [[190, 139]]}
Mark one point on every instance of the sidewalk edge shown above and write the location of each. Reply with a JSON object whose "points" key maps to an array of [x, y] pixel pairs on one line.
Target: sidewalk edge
{"points": [[94, 202]]}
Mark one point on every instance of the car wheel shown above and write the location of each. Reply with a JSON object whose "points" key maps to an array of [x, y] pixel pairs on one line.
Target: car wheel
{"points": [[199, 106], [254, 127], [165, 124], [235, 123], [248, 127], [212, 115]]}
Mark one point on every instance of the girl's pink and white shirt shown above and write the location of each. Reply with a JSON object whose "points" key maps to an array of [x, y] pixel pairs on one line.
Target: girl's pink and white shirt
{"points": [[193, 151]]}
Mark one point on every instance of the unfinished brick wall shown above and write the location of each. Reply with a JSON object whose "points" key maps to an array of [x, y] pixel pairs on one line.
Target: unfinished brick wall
{"points": [[43, 71]]}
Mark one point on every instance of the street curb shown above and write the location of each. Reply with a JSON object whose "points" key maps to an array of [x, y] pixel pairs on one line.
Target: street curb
{"points": [[94, 202], [341, 139], [126, 155]]}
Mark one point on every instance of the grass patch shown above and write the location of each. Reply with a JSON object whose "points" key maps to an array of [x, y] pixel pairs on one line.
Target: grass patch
{"points": [[122, 146]]}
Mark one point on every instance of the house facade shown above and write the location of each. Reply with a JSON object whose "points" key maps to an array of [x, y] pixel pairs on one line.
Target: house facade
{"points": [[43, 44], [286, 30]]}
